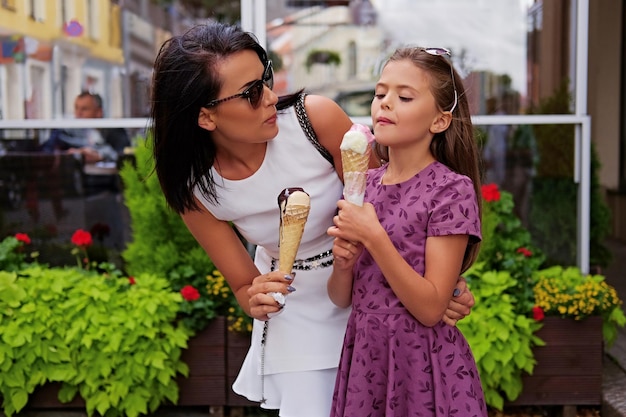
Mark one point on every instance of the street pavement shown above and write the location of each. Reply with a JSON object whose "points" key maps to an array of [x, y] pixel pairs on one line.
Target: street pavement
{"points": [[614, 377]]}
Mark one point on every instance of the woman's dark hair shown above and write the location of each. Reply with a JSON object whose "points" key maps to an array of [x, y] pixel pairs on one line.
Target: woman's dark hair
{"points": [[456, 147], [185, 79]]}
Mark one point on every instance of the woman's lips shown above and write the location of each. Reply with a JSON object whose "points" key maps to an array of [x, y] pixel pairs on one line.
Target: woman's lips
{"points": [[271, 120]]}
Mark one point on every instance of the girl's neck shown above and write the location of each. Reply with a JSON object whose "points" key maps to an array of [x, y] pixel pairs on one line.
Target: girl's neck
{"points": [[403, 166]]}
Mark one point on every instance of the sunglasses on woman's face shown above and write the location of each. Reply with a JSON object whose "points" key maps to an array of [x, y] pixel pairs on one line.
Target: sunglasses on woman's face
{"points": [[254, 93], [442, 52]]}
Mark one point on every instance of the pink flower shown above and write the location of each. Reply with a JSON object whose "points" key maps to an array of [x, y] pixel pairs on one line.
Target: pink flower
{"points": [[490, 192], [189, 293], [23, 237], [538, 314], [525, 252]]}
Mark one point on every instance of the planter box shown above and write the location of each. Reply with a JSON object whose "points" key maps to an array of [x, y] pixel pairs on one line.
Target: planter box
{"points": [[214, 357], [569, 366]]}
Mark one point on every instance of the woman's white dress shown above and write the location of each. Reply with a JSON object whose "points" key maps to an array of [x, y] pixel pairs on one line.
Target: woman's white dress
{"points": [[295, 372]]}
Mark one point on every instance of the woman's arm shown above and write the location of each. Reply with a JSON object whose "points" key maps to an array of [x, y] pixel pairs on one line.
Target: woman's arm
{"points": [[230, 257]]}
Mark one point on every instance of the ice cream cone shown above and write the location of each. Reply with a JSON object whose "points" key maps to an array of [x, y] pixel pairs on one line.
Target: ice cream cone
{"points": [[355, 157], [294, 211]]}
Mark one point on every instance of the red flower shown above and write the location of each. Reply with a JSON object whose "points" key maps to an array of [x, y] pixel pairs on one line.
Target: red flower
{"points": [[538, 314], [82, 238], [190, 293], [131, 280], [525, 252], [23, 237], [490, 192]]}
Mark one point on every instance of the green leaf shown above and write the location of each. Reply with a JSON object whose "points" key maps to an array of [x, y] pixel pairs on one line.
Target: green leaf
{"points": [[19, 398], [61, 373], [13, 337], [16, 378], [102, 403], [488, 363], [67, 392], [118, 391], [134, 404]]}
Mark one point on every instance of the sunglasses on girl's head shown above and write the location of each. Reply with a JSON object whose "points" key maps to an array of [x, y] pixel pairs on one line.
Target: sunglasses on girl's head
{"points": [[442, 52], [254, 93]]}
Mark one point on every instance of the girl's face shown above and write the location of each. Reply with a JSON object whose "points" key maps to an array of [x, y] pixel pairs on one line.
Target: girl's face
{"points": [[404, 111], [235, 120]]}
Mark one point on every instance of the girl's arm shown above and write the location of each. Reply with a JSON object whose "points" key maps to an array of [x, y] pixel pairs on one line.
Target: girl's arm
{"points": [[230, 257], [427, 297], [340, 281]]}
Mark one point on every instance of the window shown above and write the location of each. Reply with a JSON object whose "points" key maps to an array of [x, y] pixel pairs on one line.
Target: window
{"points": [[36, 10], [9, 4], [93, 28]]}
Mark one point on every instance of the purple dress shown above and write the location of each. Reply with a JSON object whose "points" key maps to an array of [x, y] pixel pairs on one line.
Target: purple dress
{"points": [[391, 364]]}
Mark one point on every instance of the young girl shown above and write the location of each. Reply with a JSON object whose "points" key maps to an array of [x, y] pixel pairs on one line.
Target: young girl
{"points": [[398, 257]]}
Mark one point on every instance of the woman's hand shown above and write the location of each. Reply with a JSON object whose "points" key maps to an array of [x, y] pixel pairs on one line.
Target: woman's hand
{"points": [[261, 303], [460, 304]]}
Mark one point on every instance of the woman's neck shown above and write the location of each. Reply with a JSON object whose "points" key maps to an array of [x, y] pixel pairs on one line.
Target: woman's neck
{"points": [[240, 161]]}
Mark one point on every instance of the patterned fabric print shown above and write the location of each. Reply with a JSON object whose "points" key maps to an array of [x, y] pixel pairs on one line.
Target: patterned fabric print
{"points": [[391, 364]]}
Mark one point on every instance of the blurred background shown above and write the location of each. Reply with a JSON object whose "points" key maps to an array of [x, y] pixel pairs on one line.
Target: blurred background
{"points": [[545, 80]]}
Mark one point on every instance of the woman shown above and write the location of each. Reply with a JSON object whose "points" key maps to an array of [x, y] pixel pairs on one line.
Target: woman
{"points": [[222, 160]]}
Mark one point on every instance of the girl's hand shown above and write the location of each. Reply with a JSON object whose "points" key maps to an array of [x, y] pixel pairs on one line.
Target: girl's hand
{"points": [[345, 253], [260, 302], [460, 304], [354, 224]]}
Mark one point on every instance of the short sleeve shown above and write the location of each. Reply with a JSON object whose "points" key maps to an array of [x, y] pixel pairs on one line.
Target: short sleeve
{"points": [[454, 209]]}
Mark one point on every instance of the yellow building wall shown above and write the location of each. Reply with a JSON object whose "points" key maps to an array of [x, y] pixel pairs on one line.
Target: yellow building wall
{"points": [[106, 44]]}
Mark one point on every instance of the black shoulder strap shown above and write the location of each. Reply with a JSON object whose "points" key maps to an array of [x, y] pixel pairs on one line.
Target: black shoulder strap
{"points": [[305, 124]]}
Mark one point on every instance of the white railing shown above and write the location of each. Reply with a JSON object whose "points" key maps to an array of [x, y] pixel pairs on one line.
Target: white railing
{"points": [[582, 157]]}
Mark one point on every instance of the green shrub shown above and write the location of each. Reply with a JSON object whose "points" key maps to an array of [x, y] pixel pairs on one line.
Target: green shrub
{"points": [[507, 246], [161, 244], [12, 256], [512, 295], [112, 340], [501, 339], [553, 218]]}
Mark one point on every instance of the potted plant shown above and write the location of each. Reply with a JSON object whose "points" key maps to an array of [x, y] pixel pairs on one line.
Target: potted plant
{"points": [[161, 244], [579, 314], [322, 56], [104, 341], [536, 334]]}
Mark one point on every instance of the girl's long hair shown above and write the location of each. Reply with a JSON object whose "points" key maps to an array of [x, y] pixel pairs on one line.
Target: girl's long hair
{"points": [[455, 147]]}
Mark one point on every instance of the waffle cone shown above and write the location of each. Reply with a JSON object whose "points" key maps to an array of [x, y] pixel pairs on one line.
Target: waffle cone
{"points": [[354, 175], [291, 230]]}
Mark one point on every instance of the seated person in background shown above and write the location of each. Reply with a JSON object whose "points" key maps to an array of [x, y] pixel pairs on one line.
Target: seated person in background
{"points": [[94, 145]]}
